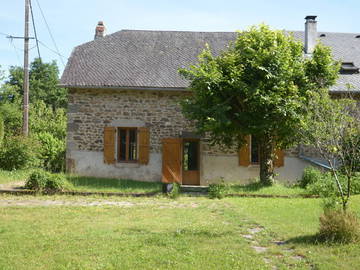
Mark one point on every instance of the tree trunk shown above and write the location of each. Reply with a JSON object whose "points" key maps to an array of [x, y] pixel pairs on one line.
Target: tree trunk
{"points": [[266, 161]]}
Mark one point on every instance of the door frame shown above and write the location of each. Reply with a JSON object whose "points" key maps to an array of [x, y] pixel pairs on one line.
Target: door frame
{"points": [[169, 178], [183, 172]]}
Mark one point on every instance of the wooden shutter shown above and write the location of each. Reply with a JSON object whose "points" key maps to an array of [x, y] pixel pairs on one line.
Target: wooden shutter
{"points": [[109, 145], [144, 145], [244, 153], [279, 159], [171, 160]]}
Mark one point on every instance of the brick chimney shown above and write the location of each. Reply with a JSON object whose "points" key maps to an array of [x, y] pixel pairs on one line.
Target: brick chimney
{"points": [[310, 34], [99, 30]]}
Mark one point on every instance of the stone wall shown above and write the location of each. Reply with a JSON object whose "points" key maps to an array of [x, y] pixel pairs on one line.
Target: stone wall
{"points": [[90, 110]]}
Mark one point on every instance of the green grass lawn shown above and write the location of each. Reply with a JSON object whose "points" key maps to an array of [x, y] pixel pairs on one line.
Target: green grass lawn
{"points": [[159, 233], [257, 188], [83, 183], [95, 184], [296, 221], [186, 235], [13, 176]]}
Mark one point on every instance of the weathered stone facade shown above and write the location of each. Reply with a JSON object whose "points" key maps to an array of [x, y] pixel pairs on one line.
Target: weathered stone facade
{"points": [[90, 110]]}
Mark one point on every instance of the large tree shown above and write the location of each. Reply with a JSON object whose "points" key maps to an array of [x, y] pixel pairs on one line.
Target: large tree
{"points": [[44, 79], [260, 86]]}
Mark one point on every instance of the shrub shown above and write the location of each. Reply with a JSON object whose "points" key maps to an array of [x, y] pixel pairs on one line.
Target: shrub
{"points": [[175, 191], [355, 184], [40, 180], [218, 190], [339, 226], [19, 153], [311, 175], [52, 152], [323, 183], [324, 186], [12, 116], [37, 180], [55, 182], [1, 129]]}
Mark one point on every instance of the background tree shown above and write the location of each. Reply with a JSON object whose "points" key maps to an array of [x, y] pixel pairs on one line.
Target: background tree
{"points": [[258, 86], [333, 129], [44, 80], [46, 145]]}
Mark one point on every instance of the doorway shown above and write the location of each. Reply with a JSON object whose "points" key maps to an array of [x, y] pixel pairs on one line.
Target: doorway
{"points": [[191, 162]]}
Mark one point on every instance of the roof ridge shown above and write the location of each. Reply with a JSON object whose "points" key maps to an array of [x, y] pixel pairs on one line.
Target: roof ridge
{"points": [[180, 31]]}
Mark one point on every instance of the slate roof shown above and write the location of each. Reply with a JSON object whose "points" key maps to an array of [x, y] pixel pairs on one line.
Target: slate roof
{"points": [[151, 59]]}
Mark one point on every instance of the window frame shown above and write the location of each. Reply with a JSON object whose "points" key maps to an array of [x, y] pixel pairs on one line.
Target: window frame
{"points": [[127, 145]]}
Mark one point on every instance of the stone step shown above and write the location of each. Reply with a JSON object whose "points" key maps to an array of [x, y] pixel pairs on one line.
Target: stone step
{"points": [[197, 189]]}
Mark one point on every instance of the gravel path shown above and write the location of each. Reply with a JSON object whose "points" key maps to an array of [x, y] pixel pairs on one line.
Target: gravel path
{"points": [[12, 185], [100, 202]]}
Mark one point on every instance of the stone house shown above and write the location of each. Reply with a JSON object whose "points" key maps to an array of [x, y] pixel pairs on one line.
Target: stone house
{"points": [[124, 119]]}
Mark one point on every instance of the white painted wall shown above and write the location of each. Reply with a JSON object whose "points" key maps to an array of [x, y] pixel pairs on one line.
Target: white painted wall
{"points": [[90, 163], [213, 168]]}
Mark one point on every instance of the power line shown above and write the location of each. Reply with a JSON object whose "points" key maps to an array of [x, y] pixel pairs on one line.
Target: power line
{"points": [[48, 28], [13, 45], [33, 23], [55, 52]]}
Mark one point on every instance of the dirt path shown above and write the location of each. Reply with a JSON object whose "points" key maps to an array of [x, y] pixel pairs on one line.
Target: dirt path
{"points": [[12, 185], [100, 202]]}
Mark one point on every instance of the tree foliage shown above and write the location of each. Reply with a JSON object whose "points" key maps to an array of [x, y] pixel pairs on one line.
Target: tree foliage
{"points": [[47, 119], [333, 129], [44, 80], [259, 85], [1, 129]]}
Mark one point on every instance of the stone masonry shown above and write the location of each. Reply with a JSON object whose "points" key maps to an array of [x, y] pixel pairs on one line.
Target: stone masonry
{"points": [[90, 110]]}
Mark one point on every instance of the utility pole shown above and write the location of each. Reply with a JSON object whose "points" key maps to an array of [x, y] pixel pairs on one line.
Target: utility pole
{"points": [[26, 72]]}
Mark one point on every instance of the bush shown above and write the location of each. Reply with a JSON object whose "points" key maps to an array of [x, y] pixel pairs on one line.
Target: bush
{"points": [[339, 226], [175, 191], [40, 180], [323, 184], [1, 129], [12, 116], [52, 152], [37, 180], [218, 190], [19, 153], [311, 175], [55, 182]]}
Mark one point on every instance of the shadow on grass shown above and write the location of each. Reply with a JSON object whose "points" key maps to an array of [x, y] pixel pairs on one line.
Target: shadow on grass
{"points": [[252, 187], [312, 239], [82, 183]]}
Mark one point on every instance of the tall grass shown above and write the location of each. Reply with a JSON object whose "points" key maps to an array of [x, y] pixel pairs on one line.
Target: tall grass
{"points": [[83, 183]]}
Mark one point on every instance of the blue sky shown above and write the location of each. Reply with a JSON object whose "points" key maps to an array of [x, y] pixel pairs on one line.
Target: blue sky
{"points": [[72, 22]]}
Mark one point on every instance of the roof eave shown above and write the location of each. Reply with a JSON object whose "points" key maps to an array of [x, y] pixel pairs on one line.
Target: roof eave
{"points": [[344, 92], [124, 87]]}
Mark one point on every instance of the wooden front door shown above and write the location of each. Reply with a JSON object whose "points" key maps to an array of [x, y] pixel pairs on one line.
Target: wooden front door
{"points": [[191, 162], [172, 160], [181, 161]]}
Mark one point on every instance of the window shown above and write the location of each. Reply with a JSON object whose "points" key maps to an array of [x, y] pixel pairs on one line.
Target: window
{"points": [[127, 145], [254, 151], [249, 153]]}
